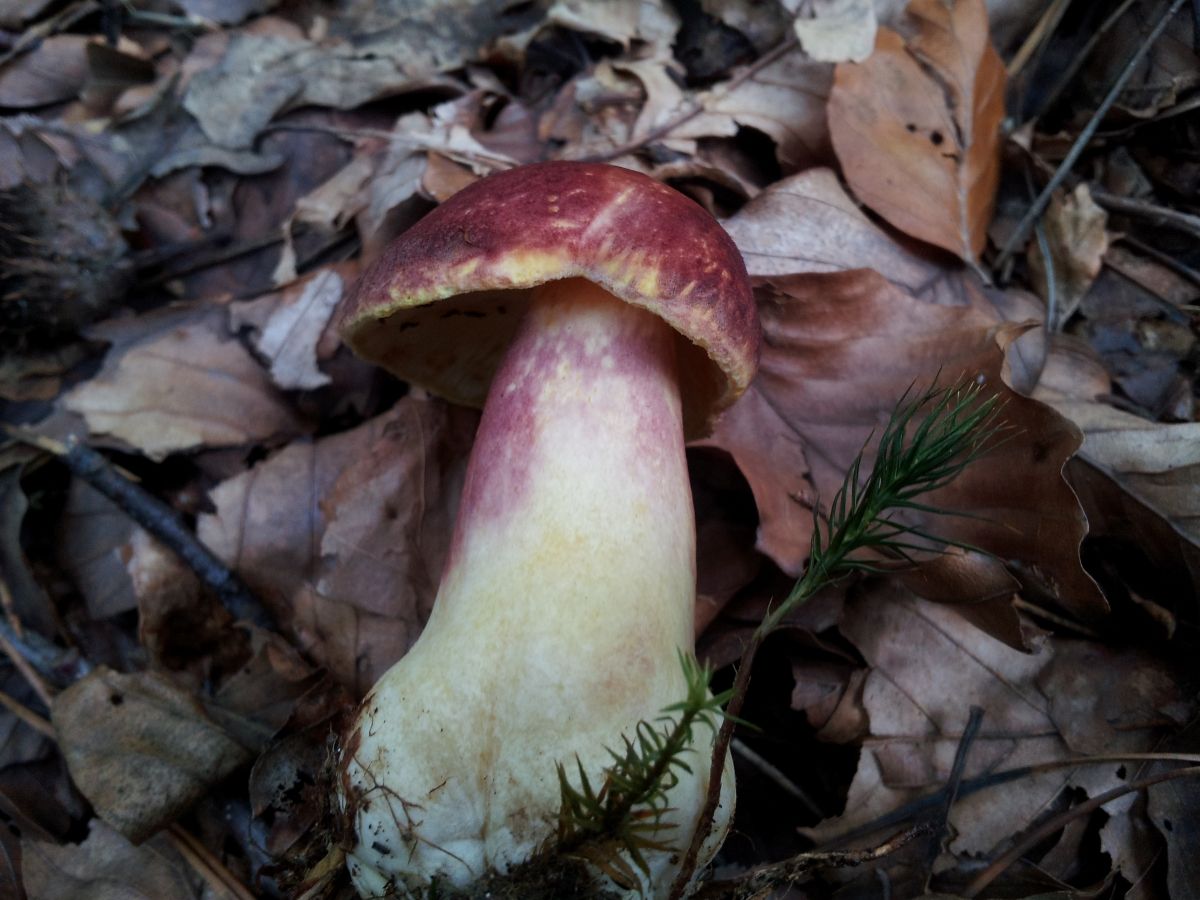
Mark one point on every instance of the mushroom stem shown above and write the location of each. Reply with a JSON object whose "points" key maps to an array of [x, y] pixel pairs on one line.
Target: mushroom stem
{"points": [[565, 600]]}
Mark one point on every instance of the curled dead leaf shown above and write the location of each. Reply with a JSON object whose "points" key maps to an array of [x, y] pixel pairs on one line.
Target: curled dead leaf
{"points": [[1077, 240]]}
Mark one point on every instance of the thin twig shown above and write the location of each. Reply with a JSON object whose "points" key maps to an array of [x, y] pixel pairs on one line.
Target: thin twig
{"points": [[1047, 828], [697, 106], [13, 650], [214, 872], [772, 875], [1181, 269], [784, 783], [159, 519], [971, 786], [1037, 38], [1085, 136], [1141, 209], [950, 792], [1081, 57], [27, 715]]}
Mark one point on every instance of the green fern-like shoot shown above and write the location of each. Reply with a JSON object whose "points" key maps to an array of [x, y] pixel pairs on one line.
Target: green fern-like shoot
{"points": [[958, 425]]}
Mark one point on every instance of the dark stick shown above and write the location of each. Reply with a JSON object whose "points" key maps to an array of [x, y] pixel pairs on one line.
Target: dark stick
{"points": [[168, 526], [737, 700], [950, 791], [160, 520]]}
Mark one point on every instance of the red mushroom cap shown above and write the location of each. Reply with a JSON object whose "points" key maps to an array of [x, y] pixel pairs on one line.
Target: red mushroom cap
{"points": [[486, 246]]}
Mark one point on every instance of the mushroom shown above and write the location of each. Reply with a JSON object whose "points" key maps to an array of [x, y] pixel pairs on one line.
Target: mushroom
{"points": [[605, 318]]}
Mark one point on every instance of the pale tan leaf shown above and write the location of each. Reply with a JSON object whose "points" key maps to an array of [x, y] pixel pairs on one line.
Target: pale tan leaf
{"points": [[141, 749], [621, 21], [838, 31], [288, 336], [1156, 463], [176, 382], [808, 224], [917, 126], [106, 866]]}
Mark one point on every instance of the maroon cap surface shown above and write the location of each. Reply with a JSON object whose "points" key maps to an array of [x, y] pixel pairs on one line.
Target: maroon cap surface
{"points": [[439, 306]]}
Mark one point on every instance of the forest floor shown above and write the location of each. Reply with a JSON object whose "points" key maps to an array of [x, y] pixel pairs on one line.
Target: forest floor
{"points": [[219, 528]]}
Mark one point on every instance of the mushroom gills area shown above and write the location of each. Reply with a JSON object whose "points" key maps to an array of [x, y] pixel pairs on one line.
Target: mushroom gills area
{"points": [[566, 599]]}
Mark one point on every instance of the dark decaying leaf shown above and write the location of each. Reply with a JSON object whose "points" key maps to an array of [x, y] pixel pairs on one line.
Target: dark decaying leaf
{"points": [[29, 600], [141, 749], [107, 866]]}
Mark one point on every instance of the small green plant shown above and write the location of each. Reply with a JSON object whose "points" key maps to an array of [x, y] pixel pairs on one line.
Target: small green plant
{"points": [[930, 438], [627, 814], [957, 427]]}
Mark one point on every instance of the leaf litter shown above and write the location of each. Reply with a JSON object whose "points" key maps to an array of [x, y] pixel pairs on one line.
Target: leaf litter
{"points": [[251, 155]]}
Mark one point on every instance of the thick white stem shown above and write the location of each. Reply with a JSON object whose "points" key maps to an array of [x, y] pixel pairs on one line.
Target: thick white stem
{"points": [[565, 601]]}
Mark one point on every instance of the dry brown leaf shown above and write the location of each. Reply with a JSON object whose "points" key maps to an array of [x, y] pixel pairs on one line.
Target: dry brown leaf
{"points": [[1075, 233], [36, 374], [254, 702], [830, 696], [807, 223], [55, 70], [597, 111], [106, 866], [344, 538], [140, 749], [176, 381], [838, 31], [916, 127], [928, 667], [785, 101], [839, 352]]}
